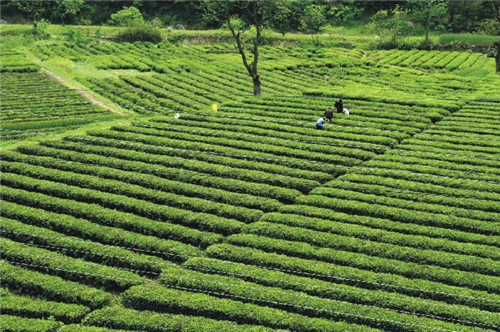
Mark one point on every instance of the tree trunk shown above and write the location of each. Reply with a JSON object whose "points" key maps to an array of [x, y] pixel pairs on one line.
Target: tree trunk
{"points": [[497, 58], [427, 26], [256, 85]]}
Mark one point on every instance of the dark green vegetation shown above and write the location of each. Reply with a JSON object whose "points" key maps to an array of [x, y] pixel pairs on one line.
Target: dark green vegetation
{"points": [[247, 218], [452, 16]]}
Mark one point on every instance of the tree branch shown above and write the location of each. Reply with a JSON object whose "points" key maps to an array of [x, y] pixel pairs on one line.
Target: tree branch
{"points": [[237, 37]]}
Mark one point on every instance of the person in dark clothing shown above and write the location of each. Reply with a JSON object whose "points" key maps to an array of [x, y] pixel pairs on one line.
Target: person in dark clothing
{"points": [[339, 105], [329, 114]]}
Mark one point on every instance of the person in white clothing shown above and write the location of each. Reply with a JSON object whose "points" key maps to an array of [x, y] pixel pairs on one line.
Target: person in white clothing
{"points": [[346, 111]]}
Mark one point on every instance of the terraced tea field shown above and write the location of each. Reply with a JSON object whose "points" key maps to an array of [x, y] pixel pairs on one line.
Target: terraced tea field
{"points": [[248, 218]]}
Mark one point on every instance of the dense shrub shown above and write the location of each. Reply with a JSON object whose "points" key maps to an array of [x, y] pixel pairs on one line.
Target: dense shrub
{"points": [[140, 32]]}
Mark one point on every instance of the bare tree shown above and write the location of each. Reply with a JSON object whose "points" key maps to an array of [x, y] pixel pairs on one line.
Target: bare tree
{"points": [[257, 14]]}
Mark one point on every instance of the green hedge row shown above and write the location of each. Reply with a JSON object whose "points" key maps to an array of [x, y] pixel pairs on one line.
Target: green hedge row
{"points": [[426, 58], [212, 91], [51, 287], [340, 292], [142, 162], [464, 142], [245, 140], [179, 88], [444, 181], [444, 188], [147, 181], [298, 302], [21, 324], [401, 214], [352, 276], [482, 170], [181, 96], [11, 170], [452, 129], [452, 159], [55, 123], [238, 144], [401, 127], [297, 102], [80, 328], [391, 225], [38, 308], [69, 217], [313, 107], [91, 251], [446, 60], [335, 189], [367, 140], [432, 168], [225, 151], [159, 298], [386, 112], [469, 133], [68, 267], [342, 124], [401, 166], [456, 147], [471, 60], [356, 231], [64, 198], [373, 248], [349, 263], [124, 318], [163, 97], [448, 105], [444, 196], [236, 162]]}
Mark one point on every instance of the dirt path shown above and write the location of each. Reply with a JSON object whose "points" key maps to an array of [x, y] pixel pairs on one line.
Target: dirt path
{"points": [[84, 94]]}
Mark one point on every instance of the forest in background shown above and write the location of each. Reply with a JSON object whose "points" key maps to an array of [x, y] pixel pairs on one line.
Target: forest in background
{"points": [[454, 16]]}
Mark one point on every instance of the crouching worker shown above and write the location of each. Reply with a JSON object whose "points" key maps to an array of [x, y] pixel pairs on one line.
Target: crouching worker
{"points": [[320, 123], [329, 114], [346, 111]]}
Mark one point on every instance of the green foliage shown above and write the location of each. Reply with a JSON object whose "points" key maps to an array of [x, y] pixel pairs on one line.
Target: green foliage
{"points": [[247, 217], [379, 21], [298, 302], [282, 20], [124, 318], [70, 268], [39, 29], [313, 19], [51, 287], [20, 324], [345, 13], [194, 204], [159, 298], [236, 22], [398, 24], [71, 9], [332, 30], [75, 36], [339, 273], [489, 27], [38, 308], [430, 15], [143, 32], [332, 291], [127, 17]]}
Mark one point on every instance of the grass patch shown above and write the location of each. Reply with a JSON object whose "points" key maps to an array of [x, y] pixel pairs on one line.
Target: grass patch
{"points": [[468, 38]]}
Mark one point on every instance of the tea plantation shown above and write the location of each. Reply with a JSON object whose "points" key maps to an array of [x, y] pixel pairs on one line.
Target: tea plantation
{"points": [[175, 214]]}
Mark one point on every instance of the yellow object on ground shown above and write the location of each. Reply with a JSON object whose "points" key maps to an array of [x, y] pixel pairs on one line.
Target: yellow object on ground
{"points": [[214, 107]]}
